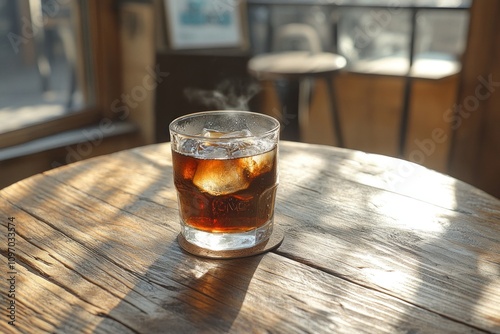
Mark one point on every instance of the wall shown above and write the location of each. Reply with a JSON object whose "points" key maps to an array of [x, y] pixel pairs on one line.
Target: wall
{"points": [[370, 108], [475, 154]]}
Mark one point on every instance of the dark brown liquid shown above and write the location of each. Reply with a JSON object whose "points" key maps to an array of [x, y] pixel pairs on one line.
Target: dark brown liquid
{"points": [[223, 205]]}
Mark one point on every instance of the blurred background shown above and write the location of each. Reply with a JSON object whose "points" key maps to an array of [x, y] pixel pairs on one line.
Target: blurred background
{"points": [[80, 79]]}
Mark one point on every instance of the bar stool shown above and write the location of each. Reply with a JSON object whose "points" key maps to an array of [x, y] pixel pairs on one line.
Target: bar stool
{"points": [[295, 71]]}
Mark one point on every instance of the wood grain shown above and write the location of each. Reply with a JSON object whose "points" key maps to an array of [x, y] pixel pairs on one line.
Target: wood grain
{"points": [[96, 252]]}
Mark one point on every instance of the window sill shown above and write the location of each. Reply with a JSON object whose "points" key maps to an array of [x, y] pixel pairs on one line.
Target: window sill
{"points": [[91, 134]]}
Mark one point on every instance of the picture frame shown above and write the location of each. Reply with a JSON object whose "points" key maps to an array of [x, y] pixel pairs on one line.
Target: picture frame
{"points": [[205, 24]]}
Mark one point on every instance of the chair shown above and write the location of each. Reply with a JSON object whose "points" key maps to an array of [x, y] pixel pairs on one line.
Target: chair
{"points": [[293, 72]]}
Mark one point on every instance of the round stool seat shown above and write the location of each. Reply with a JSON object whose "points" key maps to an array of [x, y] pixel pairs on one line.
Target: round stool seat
{"points": [[298, 69], [294, 64]]}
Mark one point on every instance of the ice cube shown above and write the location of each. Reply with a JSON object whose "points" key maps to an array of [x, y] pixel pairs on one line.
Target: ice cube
{"points": [[210, 133], [259, 164], [237, 134], [224, 148], [187, 146], [220, 177], [202, 149]]}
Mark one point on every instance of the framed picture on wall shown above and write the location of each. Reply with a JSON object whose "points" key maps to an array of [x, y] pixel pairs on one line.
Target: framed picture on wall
{"points": [[204, 24]]}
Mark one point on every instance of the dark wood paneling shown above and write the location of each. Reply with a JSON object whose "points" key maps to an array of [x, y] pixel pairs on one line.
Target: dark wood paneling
{"points": [[475, 155], [193, 71]]}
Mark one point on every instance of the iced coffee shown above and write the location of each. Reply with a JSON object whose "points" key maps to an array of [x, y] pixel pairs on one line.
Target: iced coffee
{"points": [[225, 173]]}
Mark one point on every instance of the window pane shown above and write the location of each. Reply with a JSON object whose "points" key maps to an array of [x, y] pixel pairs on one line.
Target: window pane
{"points": [[442, 32], [377, 40], [368, 33], [43, 70]]}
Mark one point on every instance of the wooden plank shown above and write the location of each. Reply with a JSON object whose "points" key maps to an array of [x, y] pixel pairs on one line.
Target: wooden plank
{"points": [[401, 246], [423, 252], [152, 165], [73, 287], [151, 169], [381, 172], [449, 210]]}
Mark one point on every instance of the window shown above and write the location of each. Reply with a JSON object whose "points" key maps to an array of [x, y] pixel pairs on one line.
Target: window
{"points": [[374, 35], [383, 39], [55, 67]]}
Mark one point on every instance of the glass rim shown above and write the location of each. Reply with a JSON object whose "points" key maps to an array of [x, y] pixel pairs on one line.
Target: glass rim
{"points": [[274, 129]]}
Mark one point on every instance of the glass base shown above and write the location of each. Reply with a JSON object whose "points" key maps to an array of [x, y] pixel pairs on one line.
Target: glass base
{"points": [[227, 241]]}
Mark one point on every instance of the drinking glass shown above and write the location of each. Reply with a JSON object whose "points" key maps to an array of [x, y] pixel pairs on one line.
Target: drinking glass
{"points": [[225, 166]]}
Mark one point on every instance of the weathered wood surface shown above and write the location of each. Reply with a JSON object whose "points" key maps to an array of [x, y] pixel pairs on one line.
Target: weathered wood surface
{"points": [[373, 245]]}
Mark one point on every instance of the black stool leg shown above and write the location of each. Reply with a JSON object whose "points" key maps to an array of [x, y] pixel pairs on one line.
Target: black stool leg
{"points": [[305, 89], [334, 110], [288, 93]]}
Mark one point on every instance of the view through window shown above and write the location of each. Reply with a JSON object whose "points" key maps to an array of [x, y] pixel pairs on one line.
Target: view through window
{"points": [[42, 66], [374, 35]]}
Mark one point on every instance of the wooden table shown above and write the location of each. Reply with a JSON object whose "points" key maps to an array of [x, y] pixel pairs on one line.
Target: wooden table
{"points": [[373, 244]]}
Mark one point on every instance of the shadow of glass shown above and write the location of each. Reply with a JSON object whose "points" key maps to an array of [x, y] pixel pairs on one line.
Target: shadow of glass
{"points": [[212, 296], [186, 294], [168, 289]]}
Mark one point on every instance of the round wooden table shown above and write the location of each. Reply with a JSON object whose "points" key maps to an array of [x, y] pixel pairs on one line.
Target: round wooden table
{"points": [[373, 245]]}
